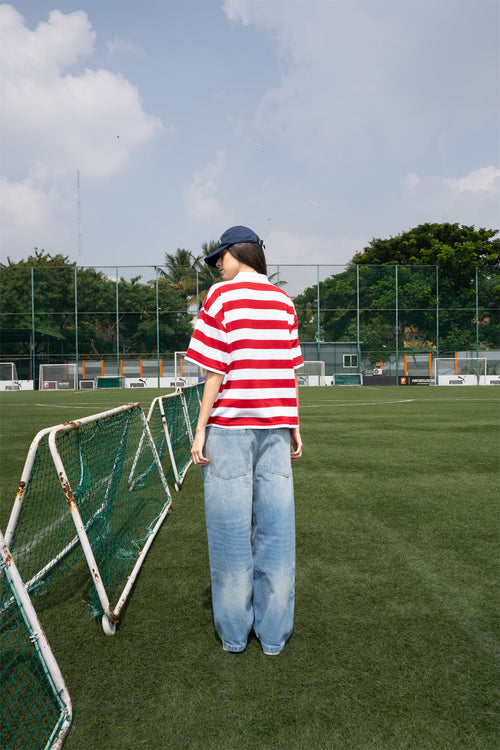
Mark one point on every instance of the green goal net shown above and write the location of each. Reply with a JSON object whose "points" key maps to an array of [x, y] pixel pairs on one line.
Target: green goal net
{"points": [[35, 707], [347, 378], [192, 396], [92, 490], [169, 420]]}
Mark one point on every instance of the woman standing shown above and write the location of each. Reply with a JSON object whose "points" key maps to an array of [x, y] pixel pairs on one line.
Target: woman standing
{"points": [[246, 436]]}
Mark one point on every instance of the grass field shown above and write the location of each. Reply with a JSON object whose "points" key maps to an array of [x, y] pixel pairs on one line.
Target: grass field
{"points": [[397, 618]]}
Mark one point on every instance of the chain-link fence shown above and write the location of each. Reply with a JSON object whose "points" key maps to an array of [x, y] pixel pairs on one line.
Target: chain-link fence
{"points": [[116, 320]]}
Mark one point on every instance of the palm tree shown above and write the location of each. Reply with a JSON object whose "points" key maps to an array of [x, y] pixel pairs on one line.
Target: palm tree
{"points": [[207, 275], [192, 276], [181, 271]]}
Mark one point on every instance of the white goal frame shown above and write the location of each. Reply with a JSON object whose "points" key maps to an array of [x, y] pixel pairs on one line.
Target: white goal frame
{"points": [[37, 642], [8, 377], [178, 471], [58, 377], [311, 373], [459, 371], [111, 615], [184, 372]]}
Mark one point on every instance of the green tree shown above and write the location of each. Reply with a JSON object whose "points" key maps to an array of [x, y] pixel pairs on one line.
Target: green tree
{"points": [[189, 273], [99, 327], [37, 287], [180, 271], [207, 275], [431, 256]]}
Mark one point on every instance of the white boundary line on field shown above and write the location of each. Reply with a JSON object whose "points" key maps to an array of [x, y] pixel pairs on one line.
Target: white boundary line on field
{"points": [[398, 401], [64, 406], [355, 403], [441, 591]]}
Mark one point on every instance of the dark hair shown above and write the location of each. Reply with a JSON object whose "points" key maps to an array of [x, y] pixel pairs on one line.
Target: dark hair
{"points": [[251, 254]]}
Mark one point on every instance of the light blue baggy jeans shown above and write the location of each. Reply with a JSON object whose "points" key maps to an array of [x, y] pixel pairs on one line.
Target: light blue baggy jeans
{"points": [[251, 535]]}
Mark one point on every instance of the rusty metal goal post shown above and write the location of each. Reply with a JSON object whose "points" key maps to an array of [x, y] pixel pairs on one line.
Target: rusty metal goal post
{"points": [[35, 706], [94, 486]]}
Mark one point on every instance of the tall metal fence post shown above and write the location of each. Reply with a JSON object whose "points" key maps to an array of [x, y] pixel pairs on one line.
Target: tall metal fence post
{"points": [[477, 323], [437, 311], [33, 326], [117, 327], [157, 331], [358, 343], [76, 324], [197, 293], [318, 312], [397, 327]]}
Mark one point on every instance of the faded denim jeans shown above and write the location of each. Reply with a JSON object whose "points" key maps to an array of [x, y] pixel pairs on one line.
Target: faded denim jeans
{"points": [[251, 535]]}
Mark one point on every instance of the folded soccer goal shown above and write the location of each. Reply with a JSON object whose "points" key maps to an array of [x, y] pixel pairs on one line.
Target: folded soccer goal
{"points": [[35, 706], [91, 490], [193, 395], [170, 426]]}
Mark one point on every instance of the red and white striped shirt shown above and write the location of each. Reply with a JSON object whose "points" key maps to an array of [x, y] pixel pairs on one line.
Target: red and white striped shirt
{"points": [[247, 331]]}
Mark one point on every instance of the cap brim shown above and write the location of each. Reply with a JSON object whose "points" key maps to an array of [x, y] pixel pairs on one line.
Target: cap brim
{"points": [[212, 259]]}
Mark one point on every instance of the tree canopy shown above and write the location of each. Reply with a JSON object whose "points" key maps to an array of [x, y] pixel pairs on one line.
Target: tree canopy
{"points": [[434, 297], [96, 299], [450, 246], [189, 273]]}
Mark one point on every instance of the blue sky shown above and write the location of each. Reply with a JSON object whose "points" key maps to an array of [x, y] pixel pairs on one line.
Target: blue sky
{"points": [[320, 124]]}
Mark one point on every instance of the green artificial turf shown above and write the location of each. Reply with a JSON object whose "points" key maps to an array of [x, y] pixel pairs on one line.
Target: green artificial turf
{"points": [[396, 629]]}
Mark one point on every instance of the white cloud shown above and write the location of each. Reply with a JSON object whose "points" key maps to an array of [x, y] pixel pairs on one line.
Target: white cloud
{"points": [[472, 199], [55, 122], [289, 247], [51, 47], [31, 217], [484, 180], [358, 77], [411, 180], [203, 194], [120, 46]]}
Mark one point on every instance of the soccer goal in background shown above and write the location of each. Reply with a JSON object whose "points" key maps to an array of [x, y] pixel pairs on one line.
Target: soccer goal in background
{"points": [[8, 377], [185, 373], [35, 706], [110, 381], [459, 371], [58, 377], [347, 378], [312, 373], [95, 486]]}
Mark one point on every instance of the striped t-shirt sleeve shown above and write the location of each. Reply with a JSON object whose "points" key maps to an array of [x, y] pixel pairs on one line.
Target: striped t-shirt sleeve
{"points": [[208, 346]]}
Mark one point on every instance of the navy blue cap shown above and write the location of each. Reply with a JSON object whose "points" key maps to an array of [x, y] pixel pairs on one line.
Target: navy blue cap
{"points": [[230, 237]]}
